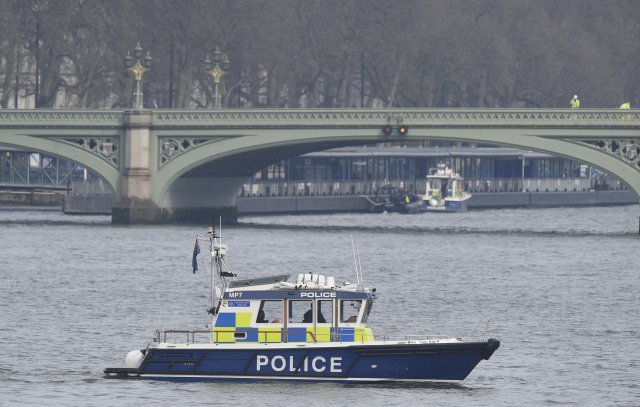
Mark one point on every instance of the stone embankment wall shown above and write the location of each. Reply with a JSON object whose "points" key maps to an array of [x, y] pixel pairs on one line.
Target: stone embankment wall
{"points": [[102, 204], [541, 199], [88, 204], [308, 204], [31, 198]]}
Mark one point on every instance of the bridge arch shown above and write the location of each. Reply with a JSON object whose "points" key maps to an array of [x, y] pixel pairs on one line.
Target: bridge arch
{"points": [[572, 149], [67, 151], [291, 142], [254, 152]]}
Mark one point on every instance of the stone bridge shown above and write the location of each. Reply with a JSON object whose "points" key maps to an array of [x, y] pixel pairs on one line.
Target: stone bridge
{"points": [[166, 165]]}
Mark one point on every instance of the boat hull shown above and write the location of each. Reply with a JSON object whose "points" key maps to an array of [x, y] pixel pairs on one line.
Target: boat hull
{"points": [[353, 363], [453, 205]]}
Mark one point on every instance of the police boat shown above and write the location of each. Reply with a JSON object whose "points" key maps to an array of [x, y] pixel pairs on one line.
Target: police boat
{"points": [[309, 329], [444, 191]]}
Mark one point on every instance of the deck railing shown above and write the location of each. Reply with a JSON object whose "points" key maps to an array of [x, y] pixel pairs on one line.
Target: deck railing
{"points": [[237, 335], [196, 336]]}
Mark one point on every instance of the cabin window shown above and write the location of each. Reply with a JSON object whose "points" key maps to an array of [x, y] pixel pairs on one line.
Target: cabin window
{"points": [[325, 312], [240, 335], [300, 311], [349, 310], [270, 311]]}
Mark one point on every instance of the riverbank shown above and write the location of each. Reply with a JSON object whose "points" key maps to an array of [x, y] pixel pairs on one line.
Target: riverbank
{"points": [[101, 204], [32, 198], [328, 204]]}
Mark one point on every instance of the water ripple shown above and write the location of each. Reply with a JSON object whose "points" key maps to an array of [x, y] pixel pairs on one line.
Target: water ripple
{"points": [[558, 284]]}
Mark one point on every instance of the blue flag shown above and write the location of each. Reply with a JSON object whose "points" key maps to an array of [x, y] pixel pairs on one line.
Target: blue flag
{"points": [[194, 261]]}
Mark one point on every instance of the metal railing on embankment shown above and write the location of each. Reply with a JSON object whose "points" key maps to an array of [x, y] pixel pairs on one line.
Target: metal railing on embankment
{"points": [[263, 189]]}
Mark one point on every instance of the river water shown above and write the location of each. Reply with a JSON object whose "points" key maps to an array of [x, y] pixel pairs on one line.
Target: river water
{"points": [[560, 287]]}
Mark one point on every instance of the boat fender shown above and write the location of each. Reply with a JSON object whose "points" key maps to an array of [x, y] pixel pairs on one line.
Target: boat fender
{"points": [[492, 345], [434, 202], [134, 359]]}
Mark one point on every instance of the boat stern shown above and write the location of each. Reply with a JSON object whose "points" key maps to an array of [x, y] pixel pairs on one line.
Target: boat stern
{"points": [[133, 360]]}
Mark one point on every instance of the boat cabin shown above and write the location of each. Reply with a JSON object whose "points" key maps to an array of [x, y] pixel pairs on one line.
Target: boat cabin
{"points": [[272, 310]]}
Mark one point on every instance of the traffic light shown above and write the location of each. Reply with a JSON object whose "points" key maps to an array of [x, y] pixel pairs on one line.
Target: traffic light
{"points": [[388, 130]]}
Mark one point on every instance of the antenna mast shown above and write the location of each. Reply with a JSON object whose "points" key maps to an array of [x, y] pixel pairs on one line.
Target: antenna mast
{"points": [[356, 260], [219, 266]]}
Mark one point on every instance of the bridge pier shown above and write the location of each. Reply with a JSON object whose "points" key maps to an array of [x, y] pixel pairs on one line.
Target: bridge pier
{"points": [[130, 211], [135, 205]]}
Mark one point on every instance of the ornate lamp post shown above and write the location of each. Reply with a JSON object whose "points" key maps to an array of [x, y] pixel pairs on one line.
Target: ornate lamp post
{"points": [[138, 66], [217, 69]]}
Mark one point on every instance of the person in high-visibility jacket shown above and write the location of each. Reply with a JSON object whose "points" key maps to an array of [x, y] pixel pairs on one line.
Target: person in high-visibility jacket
{"points": [[575, 102], [626, 106]]}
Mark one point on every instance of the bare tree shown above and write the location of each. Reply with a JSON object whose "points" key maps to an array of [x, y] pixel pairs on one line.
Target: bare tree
{"points": [[322, 53]]}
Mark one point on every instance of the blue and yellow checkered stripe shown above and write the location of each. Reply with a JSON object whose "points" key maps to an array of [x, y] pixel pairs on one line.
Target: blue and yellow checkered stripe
{"points": [[434, 193], [229, 323]]}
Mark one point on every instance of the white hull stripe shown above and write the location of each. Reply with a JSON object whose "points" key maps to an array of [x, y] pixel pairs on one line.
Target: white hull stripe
{"points": [[314, 378]]}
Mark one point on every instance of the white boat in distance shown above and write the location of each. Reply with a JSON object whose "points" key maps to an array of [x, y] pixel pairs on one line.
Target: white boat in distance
{"points": [[445, 191]]}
